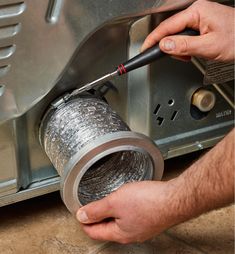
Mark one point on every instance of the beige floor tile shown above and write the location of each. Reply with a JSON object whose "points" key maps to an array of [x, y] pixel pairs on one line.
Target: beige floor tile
{"points": [[42, 226], [115, 248], [162, 244], [212, 232]]}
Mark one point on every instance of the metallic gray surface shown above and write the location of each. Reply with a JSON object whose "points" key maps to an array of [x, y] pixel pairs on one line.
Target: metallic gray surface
{"points": [[54, 10], [35, 189], [78, 122], [110, 173]]}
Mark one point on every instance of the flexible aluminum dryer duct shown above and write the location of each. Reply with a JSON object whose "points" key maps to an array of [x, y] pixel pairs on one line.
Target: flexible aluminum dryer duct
{"points": [[93, 150]]}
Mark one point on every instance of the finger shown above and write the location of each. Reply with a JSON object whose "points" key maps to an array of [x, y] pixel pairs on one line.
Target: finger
{"points": [[105, 231], [95, 211], [182, 45], [175, 24]]}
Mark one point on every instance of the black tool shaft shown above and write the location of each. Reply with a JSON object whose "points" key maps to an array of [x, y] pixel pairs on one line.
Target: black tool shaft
{"points": [[136, 62], [148, 56]]}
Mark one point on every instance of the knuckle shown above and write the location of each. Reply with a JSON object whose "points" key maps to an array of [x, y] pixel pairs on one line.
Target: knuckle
{"points": [[195, 19]]}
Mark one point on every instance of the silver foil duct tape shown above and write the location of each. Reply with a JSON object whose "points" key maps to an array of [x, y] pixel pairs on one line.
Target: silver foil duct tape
{"points": [[94, 151]]}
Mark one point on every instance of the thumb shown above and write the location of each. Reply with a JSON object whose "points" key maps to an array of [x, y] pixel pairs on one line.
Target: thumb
{"points": [[95, 211], [182, 45]]}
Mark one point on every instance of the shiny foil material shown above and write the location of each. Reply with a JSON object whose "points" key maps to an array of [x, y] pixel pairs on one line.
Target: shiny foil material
{"points": [[75, 123], [110, 173]]}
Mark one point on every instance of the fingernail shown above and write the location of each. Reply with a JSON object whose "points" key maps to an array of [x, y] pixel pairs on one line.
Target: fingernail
{"points": [[169, 45], [82, 216]]}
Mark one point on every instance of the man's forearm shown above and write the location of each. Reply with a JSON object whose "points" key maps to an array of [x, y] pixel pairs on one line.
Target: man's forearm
{"points": [[208, 184]]}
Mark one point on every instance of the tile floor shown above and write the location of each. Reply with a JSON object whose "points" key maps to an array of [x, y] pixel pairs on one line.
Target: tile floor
{"points": [[43, 226]]}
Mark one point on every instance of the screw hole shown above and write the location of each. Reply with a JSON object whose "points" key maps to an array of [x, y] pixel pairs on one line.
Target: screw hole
{"points": [[2, 89], [171, 102]]}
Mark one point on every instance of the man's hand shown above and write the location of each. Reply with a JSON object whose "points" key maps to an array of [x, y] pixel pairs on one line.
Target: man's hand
{"points": [[215, 23], [135, 212]]}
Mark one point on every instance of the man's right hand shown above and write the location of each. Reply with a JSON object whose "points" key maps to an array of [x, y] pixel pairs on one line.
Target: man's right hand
{"points": [[215, 23]]}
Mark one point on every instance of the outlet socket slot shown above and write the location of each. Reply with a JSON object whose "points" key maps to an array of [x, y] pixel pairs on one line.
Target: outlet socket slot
{"points": [[174, 115], [157, 109], [160, 120]]}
